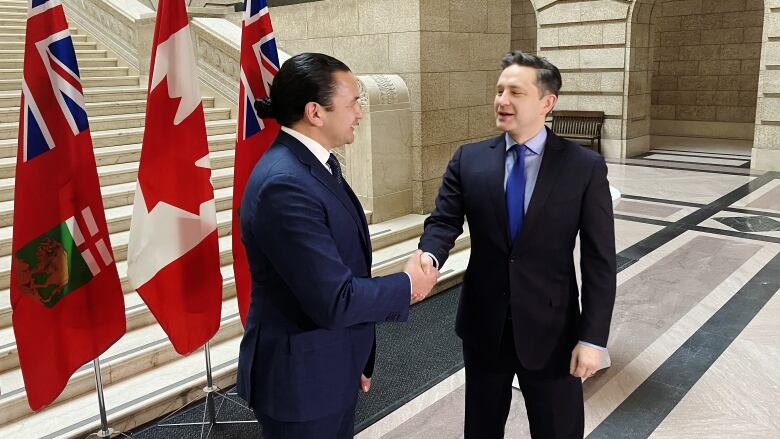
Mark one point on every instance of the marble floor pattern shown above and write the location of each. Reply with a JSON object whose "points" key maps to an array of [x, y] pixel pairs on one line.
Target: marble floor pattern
{"points": [[695, 338]]}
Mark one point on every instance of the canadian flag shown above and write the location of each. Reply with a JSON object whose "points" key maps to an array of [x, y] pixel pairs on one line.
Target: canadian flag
{"points": [[173, 253]]}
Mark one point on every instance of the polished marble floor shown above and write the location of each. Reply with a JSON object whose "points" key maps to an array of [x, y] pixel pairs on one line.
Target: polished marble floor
{"points": [[695, 339]]}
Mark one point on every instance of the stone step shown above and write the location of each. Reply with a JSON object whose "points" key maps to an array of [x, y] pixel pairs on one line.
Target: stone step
{"points": [[83, 63], [383, 235], [12, 10], [6, 21], [85, 72], [220, 177], [140, 349], [80, 54], [107, 95], [153, 392], [20, 36], [113, 122], [19, 45], [124, 136], [16, 84], [16, 29], [10, 114]]}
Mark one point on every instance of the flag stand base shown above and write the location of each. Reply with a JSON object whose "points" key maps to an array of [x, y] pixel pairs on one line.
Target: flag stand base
{"points": [[105, 431], [209, 420]]}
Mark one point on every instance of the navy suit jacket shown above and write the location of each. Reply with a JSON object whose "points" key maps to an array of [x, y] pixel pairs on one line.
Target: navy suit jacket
{"points": [[310, 327], [533, 276]]}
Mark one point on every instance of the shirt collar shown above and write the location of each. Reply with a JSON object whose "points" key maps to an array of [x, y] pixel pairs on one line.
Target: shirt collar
{"points": [[312, 145], [535, 144]]}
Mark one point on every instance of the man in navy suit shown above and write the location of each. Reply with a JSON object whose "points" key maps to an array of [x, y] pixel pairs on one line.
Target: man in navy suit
{"points": [[309, 341], [527, 194]]}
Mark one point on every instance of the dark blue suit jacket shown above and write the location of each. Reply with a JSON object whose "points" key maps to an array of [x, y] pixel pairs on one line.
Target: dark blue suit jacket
{"points": [[533, 276], [310, 327]]}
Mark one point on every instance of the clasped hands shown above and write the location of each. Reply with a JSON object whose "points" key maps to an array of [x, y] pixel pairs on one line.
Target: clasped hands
{"points": [[424, 275]]}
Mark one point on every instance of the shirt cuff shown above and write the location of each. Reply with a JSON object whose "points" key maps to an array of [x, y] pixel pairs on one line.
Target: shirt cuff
{"points": [[592, 345], [433, 258], [411, 287]]}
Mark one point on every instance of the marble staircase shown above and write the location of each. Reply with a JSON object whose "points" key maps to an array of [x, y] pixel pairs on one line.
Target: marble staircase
{"points": [[143, 376]]}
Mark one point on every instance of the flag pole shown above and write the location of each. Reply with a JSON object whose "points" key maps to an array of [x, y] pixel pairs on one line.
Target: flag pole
{"points": [[104, 430], [209, 389]]}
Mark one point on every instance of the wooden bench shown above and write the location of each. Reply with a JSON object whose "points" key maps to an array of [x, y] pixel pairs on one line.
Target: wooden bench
{"points": [[579, 125]]}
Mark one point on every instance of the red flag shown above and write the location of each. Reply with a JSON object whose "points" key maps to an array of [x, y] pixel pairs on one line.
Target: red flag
{"points": [[259, 64], [173, 253], [68, 306]]}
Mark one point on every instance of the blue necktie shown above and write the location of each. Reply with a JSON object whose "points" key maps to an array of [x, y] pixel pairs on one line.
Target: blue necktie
{"points": [[515, 191]]}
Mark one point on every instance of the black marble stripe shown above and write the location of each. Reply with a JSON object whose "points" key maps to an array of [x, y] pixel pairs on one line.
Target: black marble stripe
{"points": [[752, 212], [662, 200], [684, 168], [736, 156], [696, 156], [644, 409]]}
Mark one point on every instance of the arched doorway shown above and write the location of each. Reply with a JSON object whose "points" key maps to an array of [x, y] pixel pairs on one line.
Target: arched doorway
{"points": [[523, 26]]}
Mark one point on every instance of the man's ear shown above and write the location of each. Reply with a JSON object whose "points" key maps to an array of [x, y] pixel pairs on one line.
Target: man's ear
{"points": [[549, 103], [312, 114]]}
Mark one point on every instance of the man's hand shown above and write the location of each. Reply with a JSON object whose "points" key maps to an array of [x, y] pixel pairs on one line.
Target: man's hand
{"points": [[585, 361], [422, 282], [426, 262], [365, 384]]}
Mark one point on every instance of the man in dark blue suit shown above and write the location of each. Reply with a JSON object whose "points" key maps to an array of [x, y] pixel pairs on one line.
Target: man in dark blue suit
{"points": [[527, 194], [309, 341]]}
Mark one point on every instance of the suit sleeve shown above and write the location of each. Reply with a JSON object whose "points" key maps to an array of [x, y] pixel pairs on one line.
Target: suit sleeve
{"points": [[445, 223], [597, 263], [298, 242]]}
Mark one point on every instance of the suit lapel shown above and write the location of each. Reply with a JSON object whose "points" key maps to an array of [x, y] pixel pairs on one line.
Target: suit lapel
{"points": [[552, 162], [326, 179], [495, 182]]}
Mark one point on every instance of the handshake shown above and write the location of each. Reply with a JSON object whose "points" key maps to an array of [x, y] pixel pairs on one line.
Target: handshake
{"points": [[423, 274]]}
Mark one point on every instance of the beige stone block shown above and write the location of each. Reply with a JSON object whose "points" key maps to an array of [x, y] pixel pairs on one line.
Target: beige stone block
{"points": [[444, 126], [404, 52], [747, 99], [764, 158], [581, 82], [768, 137], [690, 53], [691, 22], [434, 15], [668, 24], [735, 114], [610, 105], [753, 34], [331, 18], [643, 13], [601, 10], [638, 107], [615, 33], [467, 89], [638, 127], [376, 17], [676, 97], [559, 13], [714, 130], [722, 36], [743, 19], [640, 34], [499, 13], [724, 5], [664, 83], [482, 121], [707, 97], [722, 67], [697, 83], [413, 81], [613, 81], [726, 97], [727, 83], [681, 38], [416, 131], [612, 129], [548, 37], [663, 112], [320, 45], [672, 53], [363, 53], [747, 82], [740, 51], [679, 68], [563, 59], [769, 109], [290, 23], [749, 67], [587, 35], [434, 159], [430, 188], [680, 7], [638, 83], [435, 91], [469, 16], [491, 79], [693, 112], [770, 81], [771, 53], [390, 206], [602, 58], [444, 51], [772, 24], [486, 50], [568, 102]]}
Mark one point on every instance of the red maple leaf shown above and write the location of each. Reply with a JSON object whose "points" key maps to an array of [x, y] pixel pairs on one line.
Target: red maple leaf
{"points": [[167, 172]]}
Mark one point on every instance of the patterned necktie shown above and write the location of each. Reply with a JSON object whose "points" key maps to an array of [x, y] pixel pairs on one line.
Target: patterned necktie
{"points": [[515, 191], [335, 168]]}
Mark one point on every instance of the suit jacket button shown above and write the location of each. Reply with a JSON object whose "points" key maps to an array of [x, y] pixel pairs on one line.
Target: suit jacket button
{"points": [[512, 260]]}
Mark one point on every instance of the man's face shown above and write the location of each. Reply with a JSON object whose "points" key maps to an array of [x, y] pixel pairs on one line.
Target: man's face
{"points": [[519, 103], [339, 122]]}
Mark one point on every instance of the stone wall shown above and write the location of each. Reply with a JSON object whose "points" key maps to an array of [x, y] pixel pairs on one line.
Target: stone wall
{"points": [[446, 51], [523, 26], [705, 67]]}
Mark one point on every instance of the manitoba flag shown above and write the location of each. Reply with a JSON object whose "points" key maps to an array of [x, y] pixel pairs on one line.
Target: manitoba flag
{"points": [[259, 65], [173, 253], [67, 301]]}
